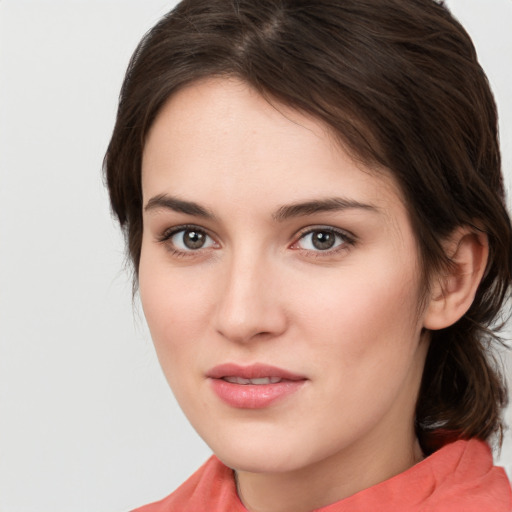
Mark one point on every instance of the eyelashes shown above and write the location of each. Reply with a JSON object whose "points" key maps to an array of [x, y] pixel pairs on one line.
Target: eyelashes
{"points": [[323, 239], [187, 240], [316, 241]]}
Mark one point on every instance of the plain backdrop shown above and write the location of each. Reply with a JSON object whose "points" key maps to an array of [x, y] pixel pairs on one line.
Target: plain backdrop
{"points": [[87, 423]]}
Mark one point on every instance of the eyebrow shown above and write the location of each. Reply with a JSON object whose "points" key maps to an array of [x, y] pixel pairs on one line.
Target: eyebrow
{"points": [[167, 202], [164, 201], [319, 206]]}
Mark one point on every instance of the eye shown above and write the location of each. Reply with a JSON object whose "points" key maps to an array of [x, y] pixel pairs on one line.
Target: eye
{"points": [[322, 239], [188, 239]]}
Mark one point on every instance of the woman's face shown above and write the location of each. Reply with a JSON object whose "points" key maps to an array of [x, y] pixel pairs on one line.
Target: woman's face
{"points": [[280, 281]]}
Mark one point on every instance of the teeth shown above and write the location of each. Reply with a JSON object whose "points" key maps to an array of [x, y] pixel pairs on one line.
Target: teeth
{"points": [[261, 380], [237, 380]]}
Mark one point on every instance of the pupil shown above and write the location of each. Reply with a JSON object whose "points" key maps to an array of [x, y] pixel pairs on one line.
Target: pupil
{"points": [[193, 239], [323, 240]]}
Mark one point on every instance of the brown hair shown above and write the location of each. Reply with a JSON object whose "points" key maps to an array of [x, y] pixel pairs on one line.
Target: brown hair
{"points": [[399, 82]]}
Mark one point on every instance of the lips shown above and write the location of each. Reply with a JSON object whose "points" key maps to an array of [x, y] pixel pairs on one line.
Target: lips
{"points": [[257, 382], [253, 387], [254, 371]]}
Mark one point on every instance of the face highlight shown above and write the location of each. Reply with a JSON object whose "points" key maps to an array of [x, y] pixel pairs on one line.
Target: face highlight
{"points": [[280, 281]]}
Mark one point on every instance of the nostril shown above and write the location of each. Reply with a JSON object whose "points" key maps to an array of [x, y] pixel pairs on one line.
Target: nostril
{"points": [[249, 306]]}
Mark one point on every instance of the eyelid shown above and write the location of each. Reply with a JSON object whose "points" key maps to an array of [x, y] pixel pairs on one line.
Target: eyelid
{"points": [[168, 233], [349, 239]]}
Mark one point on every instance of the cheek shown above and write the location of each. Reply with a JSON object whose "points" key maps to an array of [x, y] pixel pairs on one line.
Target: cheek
{"points": [[175, 307], [364, 346], [366, 320], [173, 314]]}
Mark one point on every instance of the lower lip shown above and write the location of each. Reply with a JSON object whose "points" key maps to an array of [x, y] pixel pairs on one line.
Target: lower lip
{"points": [[254, 396]]}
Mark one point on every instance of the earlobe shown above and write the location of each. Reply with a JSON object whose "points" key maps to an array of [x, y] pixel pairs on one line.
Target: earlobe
{"points": [[454, 290]]}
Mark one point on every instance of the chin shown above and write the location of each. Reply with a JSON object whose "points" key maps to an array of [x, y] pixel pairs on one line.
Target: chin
{"points": [[259, 461], [262, 455]]}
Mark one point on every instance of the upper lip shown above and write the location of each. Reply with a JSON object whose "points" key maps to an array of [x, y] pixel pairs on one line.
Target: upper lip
{"points": [[253, 371]]}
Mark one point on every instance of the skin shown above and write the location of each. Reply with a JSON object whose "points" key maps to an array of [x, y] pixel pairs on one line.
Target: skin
{"points": [[347, 318]]}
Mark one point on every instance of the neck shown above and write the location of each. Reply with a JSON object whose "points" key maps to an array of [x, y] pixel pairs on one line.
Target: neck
{"points": [[330, 480]]}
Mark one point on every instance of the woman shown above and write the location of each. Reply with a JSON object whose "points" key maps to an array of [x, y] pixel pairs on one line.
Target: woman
{"points": [[312, 200]]}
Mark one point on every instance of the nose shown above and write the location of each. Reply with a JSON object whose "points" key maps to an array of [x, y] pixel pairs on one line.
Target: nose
{"points": [[251, 303]]}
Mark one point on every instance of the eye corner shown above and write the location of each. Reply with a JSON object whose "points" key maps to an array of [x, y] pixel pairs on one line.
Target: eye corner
{"points": [[329, 240], [175, 241]]}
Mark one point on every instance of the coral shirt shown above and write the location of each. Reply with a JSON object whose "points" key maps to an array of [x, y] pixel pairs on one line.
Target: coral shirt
{"points": [[460, 477]]}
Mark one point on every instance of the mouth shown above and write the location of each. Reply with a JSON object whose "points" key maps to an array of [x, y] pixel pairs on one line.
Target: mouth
{"points": [[257, 382], [257, 386], [257, 373]]}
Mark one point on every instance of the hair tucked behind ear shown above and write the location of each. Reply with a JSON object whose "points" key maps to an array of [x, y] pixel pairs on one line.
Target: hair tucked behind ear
{"points": [[398, 81], [462, 392]]}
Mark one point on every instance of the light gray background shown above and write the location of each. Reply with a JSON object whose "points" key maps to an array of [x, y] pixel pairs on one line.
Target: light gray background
{"points": [[86, 420]]}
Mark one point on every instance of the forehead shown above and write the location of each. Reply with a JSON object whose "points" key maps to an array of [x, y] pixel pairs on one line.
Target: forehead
{"points": [[219, 138]]}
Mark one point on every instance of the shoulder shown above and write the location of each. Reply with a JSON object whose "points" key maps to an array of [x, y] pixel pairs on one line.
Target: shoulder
{"points": [[211, 488], [460, 477], [466, 480]]}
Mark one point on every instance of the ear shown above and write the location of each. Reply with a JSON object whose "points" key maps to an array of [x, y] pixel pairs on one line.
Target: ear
{"points": [[454, 289]]}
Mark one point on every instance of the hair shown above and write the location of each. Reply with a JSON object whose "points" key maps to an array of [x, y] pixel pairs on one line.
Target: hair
{"points": [[399, 83]]}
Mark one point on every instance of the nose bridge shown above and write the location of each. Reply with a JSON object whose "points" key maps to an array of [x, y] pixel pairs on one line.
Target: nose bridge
{"points": [[250, 303]]}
